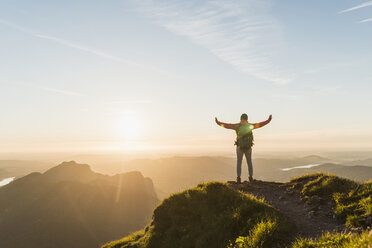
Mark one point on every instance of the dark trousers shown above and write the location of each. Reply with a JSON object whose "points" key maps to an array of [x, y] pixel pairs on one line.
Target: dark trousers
{"points": [[248, 156]]}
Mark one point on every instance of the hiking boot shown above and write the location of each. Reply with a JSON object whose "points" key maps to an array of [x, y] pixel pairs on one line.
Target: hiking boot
{"points": [[250, 179], [238, 180]]}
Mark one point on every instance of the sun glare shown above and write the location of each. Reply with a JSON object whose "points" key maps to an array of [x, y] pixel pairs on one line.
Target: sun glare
{"points": [[128, 126]]}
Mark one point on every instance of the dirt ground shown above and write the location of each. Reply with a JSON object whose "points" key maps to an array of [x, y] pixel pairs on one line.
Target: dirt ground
{"points": [[310, 218]]}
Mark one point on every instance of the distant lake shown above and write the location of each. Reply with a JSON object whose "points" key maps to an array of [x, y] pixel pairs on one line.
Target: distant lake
{"points": [[300, 167], [6, 181]]}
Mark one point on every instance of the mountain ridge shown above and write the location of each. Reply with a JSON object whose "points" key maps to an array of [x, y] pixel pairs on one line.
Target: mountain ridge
{"points": [[72, 206]]}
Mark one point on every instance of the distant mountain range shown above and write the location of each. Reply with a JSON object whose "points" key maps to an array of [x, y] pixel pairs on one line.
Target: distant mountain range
{"points": [[366, 162], [356, 172], [173, 174], [72, 206], [19, 168], [178, 173]]}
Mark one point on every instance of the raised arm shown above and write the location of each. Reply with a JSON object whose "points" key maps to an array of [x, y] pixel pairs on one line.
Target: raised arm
{"points": [[226, 125], [263, 123]]}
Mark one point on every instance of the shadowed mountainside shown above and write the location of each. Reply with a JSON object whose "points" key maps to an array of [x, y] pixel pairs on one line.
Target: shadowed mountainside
{"points": [[72, 206]]}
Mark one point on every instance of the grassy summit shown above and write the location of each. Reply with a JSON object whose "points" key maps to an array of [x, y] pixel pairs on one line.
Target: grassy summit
{"points": [[209, 215], [220, 215]]}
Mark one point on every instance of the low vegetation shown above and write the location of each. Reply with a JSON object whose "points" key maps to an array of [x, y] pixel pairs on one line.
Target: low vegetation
{"points": [[339, 240], [210, 215], [353, 201], [355, 207], [260, 236], [324, 186]]}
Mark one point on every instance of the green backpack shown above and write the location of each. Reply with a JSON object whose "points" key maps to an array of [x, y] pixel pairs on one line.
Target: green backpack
{"points": [[245, 137]]}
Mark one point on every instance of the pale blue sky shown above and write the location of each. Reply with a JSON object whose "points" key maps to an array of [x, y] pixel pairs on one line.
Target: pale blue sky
{"points": [[73, 71]]}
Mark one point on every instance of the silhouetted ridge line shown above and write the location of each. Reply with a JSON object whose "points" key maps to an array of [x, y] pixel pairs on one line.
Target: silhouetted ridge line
{"points": [[72, 206]]}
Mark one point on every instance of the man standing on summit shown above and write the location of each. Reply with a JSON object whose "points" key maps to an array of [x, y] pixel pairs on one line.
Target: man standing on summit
{"points": [[244, 141]]}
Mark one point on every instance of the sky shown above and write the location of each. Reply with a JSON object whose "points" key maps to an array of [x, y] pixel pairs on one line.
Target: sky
{"points": [[152, 75]]}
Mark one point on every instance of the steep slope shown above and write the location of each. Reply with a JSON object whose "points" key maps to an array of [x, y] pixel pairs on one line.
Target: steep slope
{"points": [[71, 206]]}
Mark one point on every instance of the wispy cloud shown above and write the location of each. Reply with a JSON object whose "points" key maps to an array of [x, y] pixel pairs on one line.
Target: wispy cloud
{"points": [[17, 27], [87, 49], [33, 85], [363, 5], [241, 33], [366, 20], [77, 46], [60, 91]]}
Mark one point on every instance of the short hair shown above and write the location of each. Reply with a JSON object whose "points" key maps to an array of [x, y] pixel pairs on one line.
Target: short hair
{"points": [[244, 117]]}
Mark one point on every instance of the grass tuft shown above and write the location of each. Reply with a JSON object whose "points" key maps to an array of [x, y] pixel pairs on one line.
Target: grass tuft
{"points": [[339, 240], [355, 207], [264, 234], [130, 239], [324, 185], [353, 201]]}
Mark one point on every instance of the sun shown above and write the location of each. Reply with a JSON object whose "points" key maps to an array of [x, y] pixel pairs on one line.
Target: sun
{"points": [[128, 126]]}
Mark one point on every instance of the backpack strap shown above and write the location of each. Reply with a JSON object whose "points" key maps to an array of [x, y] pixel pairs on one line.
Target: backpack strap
{"points": [[237, 136]]}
